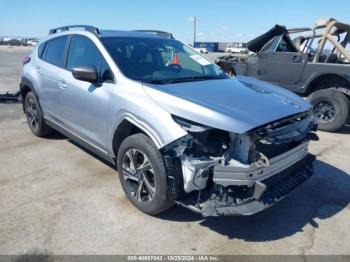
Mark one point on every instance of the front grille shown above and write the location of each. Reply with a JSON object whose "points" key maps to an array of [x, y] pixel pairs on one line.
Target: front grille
{"points": [[293, 128]]}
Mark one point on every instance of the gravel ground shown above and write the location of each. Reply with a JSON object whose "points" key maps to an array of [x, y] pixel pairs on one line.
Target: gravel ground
{"points": [[10, 65]]}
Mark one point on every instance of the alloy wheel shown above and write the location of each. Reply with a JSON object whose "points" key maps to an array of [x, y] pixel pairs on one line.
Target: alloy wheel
{"points": [[138, 175], [32, 114]]}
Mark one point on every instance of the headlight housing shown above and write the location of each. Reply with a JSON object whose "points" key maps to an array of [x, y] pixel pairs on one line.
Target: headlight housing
{"points": [[190, 126]]}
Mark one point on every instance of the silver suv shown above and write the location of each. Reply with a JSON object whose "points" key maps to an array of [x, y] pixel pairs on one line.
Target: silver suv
{"points": [[178, 129]]}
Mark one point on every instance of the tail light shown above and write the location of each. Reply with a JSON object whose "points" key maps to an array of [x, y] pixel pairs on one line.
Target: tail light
{"points": [[26, 60]]}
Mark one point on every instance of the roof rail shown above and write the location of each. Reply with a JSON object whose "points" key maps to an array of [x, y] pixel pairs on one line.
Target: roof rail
{"points": [[158, 33], [89, 28]]}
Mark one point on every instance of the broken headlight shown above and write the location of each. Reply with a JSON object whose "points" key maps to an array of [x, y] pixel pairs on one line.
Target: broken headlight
{"points": [[190, 126]]}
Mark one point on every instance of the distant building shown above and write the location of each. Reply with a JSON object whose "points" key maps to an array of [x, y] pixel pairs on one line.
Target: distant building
{"points": [[7, 39]]}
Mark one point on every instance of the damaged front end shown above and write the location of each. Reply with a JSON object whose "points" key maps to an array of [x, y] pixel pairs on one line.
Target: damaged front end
{"points": [[220, 173]]}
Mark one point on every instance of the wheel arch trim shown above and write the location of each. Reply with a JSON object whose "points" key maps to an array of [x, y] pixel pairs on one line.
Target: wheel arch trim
{"points": [[141, 124], [25, 82]]}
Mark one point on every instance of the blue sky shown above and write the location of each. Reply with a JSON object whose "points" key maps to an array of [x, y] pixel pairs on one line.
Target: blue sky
{"points": [[217, 20]]}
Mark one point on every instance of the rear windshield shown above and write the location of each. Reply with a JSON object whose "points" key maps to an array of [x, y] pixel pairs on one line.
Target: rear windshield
{"points": [[159, 60]]}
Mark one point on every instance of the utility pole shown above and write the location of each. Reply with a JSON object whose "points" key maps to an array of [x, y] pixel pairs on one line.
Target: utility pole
{"points": [[194, 29]]}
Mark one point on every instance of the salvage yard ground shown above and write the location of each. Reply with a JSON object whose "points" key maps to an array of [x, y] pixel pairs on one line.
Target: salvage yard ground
{"points": [[59, 199]]}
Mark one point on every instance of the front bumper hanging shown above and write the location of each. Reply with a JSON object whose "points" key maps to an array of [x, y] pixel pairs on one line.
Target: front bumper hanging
{"points": [[264, 193], [261, 195]]}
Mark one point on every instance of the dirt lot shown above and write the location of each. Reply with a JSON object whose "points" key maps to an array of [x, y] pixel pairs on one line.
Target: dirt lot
{"points": [[57, 198]]}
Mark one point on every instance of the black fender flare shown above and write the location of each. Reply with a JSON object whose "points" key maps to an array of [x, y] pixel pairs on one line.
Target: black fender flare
{"points": [[25, 82], [308, 87]]}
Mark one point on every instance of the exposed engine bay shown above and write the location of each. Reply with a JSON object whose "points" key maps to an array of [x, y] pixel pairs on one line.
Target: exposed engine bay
{"points": [[223, 173]]}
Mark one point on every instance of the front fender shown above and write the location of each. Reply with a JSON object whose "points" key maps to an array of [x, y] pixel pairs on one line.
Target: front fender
{"points": [[142, 124]]}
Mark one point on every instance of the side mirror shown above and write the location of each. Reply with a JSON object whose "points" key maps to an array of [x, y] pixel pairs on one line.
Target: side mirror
{"points": [[86, 73]]}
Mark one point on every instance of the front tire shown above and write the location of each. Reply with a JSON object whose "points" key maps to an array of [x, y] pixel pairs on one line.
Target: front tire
{"points": [[143, 175], [330, 109], [35, 117]]}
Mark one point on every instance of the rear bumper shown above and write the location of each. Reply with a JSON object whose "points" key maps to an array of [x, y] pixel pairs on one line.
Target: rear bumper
{"points": [[264, 193]]}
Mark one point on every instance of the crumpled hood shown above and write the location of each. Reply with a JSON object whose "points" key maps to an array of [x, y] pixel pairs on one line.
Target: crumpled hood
{"points": [[236, 105]]}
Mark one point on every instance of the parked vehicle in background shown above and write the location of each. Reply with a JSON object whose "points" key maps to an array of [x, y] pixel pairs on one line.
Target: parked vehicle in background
{"points": [[237, 48], [209, 46], [177, 128], [201, 50], [32, 42], [315, 65]]}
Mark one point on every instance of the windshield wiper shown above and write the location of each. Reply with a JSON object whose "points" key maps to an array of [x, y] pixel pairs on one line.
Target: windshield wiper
{"points": [[207, 77], [184, 79], [156, 81], [195, 78]]}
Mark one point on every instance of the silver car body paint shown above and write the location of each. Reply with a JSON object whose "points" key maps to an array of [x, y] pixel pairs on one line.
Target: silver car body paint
{"points": [[125, 95], [236, 105]]}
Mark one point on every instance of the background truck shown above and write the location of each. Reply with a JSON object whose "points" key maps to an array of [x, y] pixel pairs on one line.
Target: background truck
{"points": [[314, 63]]}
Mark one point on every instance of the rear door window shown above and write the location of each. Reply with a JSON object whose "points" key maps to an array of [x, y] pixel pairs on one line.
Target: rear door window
{"points": [[55, 51]]}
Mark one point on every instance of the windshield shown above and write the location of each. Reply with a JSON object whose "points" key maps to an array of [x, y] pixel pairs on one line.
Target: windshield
{"points": [[159, 60]]}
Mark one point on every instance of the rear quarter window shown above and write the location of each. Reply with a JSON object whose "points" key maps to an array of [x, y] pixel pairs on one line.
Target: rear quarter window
{"points": [[41, 48]]}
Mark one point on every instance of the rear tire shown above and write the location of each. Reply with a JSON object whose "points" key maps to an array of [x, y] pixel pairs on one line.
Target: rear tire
{"points": [[146, 188], [35, 117], [330, 108]]}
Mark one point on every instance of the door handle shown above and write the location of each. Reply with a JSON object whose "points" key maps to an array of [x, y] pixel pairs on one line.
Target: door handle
{"points": [[38, 69], [62, 84]]}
